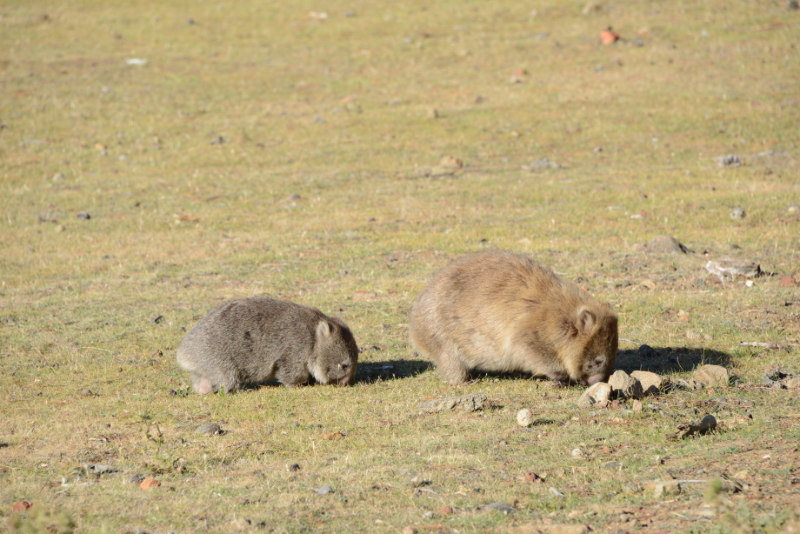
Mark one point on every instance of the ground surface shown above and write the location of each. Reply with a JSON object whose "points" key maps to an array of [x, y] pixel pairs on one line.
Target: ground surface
{"points": [[157, 158]]}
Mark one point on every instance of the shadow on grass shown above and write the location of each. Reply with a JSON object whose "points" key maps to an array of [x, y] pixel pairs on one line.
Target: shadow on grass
{"points": [[668, 359], [369, 372]]}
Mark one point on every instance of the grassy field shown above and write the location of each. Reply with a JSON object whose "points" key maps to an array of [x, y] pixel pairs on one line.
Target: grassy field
{"points": [[158, 158]]}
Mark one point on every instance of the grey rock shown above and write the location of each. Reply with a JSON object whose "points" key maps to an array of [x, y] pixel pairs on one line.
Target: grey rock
{"points": [[210, 429], [652, 383], [666, 488], [596, 395], [733, 267], [729, 160], [665, 244], [324, 490], [136, 478], [737, 214], [624, 386], [467, 403], [688, 384], [501, 507], [712, 375]]}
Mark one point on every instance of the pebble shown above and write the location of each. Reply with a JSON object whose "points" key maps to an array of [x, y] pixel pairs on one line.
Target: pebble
{"points": [[445, 511], [84, 216], [524, 417], [150, 483], [731, 267], [666, 244], [468, 403], [666, 488], [501, 507], [729, 160], [737, 213], [577, 453], [136, 478], [324, 490], [793, 208], [554, 492], [21, 506], [211, 429]]}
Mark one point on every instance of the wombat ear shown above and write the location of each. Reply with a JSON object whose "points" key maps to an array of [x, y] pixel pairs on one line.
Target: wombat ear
{"points": [[323, 329], [586, 320]]}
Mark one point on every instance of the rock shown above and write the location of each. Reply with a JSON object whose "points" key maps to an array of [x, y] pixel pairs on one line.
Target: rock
{"points": [[444, 511], [324, 490], [524, 417], [652, 383], [97, 469], [666, 488], [737, 213], [554, 492], [637, 406], [613, 465], [707, 424], [550, 528], [409, 530], [688, 384], [210, 429], [135, 478], [577, 453], [333, 436], [468, 403], [788, 281], [596, 395], [732, 267], [149, 483], [793, 208], [292, 468], [624, 386], [501, 507], [20, 506], [792, 383], [541, 165], [712, 375], [84, 216], [665, 244], [729, 160]]}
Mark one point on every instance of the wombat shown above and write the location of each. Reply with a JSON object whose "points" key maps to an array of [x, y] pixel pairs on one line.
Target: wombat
{"points": [[500, 311], [251, 341]]}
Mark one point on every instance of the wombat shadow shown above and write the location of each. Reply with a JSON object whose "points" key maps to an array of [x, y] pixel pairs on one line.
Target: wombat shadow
{"points": [[369, 372], [668, 359]]}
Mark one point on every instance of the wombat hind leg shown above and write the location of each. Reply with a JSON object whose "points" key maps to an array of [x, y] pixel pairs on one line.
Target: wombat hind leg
{"points": [[451, 368], [202, 384]]}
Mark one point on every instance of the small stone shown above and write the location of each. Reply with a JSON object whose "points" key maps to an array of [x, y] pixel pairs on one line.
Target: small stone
{"points": [[445, 511], [292, 468], [333, 436], [788, 281], [652, 383], [688, 384], [613, 465], [554, 492], [792, 382], [666, 488], [324, 490], [432, 113], [136, 478], [729, 160], [624, 386], [665, 244], [149, 483], [409, 530], [524, 417], [501, 507], [21, 506], [84, 216], [712, 375], [793, 5], [707, 424], [468, 403], [732, 267], [737, 213], [210, 429], [59, 228], [577, 453], [57, 177], [596, 395], [793, 208], [637, 406]]}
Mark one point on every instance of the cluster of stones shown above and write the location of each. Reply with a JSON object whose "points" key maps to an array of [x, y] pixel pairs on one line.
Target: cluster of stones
{"points": [[636, 385]]}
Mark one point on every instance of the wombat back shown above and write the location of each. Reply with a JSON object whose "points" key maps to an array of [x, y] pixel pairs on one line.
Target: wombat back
{"points": [[255, 340], [498, 311]]}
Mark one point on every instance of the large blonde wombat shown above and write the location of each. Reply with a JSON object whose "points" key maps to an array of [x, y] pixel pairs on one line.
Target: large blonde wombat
{"points": [[499, 311], [254, 340]]}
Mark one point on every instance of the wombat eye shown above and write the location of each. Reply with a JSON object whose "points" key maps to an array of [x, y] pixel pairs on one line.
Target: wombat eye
{"points": [[599, 361], [344, 366]]}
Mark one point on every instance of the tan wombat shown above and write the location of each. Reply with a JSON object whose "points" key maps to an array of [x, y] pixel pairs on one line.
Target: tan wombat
{"points": [[254, 340], [499, 311]]}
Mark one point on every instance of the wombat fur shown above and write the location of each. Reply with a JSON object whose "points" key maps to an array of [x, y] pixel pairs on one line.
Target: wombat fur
{"points": [[251, 341], [499, 311]]}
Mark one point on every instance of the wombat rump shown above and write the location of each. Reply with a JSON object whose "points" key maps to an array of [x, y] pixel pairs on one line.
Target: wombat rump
{"points": [[251, 341], [499, 311]]}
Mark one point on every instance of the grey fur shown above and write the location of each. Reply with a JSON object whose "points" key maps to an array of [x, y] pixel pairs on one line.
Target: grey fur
{"points": [[254, 340]]}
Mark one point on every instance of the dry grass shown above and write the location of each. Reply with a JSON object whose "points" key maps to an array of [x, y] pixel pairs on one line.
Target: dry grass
{"points": [[262, 150]]}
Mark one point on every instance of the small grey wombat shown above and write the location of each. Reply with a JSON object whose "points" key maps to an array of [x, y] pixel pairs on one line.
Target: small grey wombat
{"points": [[498, 311], [254, 340]]}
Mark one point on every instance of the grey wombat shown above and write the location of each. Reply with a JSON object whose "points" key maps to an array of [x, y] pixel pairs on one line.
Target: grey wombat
{"points": [[498, 311], [254, 340]]}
